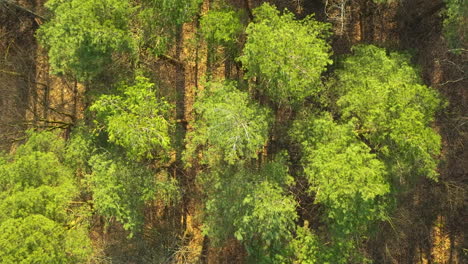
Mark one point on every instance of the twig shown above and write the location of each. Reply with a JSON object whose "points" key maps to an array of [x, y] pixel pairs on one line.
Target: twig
{"points": [[454, 81]]}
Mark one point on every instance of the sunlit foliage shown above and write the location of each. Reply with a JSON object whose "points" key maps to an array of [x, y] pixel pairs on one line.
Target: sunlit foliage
{"points": [[229, 126], [83, 35], [136, 120], [286, 56], [36, 191]]}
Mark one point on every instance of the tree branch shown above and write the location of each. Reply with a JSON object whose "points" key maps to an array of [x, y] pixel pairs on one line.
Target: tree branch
{"points": [[23, 9], [171, 60]]}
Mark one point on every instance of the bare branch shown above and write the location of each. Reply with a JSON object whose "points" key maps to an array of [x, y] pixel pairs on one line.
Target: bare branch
{"points": [[26, 10]]}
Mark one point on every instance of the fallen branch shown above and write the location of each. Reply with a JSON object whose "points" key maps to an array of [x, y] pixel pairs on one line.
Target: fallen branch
{"points": [[171, 60], [23, 9], [454, 81]]}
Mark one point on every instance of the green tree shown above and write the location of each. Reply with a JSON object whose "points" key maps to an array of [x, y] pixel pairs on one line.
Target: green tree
{"points": [[306, 246], [222, 28], [136, 120], [284, 55], [346, 178], [132, 145], [36, 191], [83, 35], [121, 189], [376, 142], [392, 110], [229, 127], [252, 206], [160, 21]]}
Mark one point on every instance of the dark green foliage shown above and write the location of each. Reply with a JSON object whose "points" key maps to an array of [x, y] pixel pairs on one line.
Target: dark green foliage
{"points": [[36, 189], [456, 24], [161, 20], [83, 35], [285, 55], [228, 127]]}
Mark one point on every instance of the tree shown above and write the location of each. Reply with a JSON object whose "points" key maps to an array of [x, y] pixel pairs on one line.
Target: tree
{"points": [[121, 189], [392, 110], [228, 127], [267, 226], [376, 141], [135, 120], [252, 206], [83, 35], [36, 191], [161, 20], [135, 126], [346, 178], [306, 246], [285, 56], [222, 27]]}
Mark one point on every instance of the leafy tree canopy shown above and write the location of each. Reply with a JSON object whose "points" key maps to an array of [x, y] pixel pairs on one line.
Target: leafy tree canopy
{"points": [[228, 126], [136, 120], [378, 138], [161, 20], [36, 188], [120, 189], [82, 35], [344, 175], [285, 55], [267, 226], [306, 246], [222, 26], [252, 206], [392, 109]]}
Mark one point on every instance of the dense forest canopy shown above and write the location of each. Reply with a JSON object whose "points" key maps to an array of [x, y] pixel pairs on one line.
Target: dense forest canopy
{"points": [[191, 131]]}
